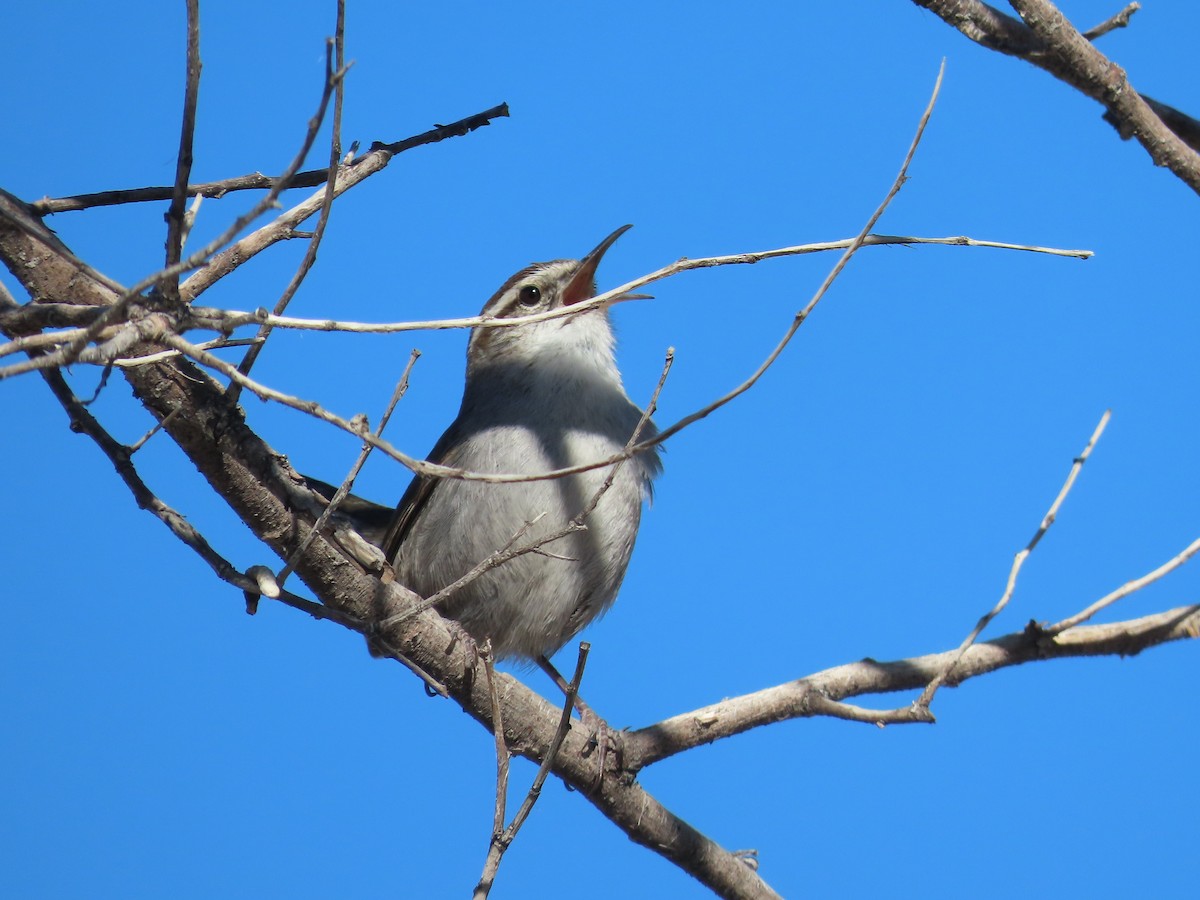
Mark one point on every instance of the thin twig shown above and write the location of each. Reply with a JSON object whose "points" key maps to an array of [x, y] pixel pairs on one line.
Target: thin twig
{"points": [[236, 319], [502, 754], [503, 841], [1120, 20], [176, 215], [59, 315], [821, 705], [1126, 589], [800, 317], [141, 442], [217, 319], [132, 362], [1018, 561], [120, 456], [348, 481], [257, 181], [425, 467]]}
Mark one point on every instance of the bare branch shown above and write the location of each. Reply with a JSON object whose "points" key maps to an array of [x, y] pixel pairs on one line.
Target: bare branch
{"points": [[257, 181], [209, 318], [1127, 588], [1120, 20], [501, 842], [502, 754], [234, 319], [176, 225], [808, 696], [803, 314], [1018, 561], [1047, 40]]}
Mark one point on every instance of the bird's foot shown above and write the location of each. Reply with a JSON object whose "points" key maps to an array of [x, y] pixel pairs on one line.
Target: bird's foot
{"points": [[458, 634], [603, 740], [607, 743]]}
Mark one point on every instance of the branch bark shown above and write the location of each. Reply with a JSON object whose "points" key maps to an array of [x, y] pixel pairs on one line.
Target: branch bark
{"points": [[1047, 40]]}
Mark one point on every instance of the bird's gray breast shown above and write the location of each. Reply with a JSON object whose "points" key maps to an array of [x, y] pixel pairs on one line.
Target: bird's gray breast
{"points": [[533, 603]]}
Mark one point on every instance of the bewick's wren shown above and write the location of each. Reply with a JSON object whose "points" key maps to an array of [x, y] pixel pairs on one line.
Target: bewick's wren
{"points": [[538, 397]]}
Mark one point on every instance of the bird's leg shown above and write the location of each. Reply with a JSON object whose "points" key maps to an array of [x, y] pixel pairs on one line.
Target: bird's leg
{"points": [[585, 712], [601, 734]]}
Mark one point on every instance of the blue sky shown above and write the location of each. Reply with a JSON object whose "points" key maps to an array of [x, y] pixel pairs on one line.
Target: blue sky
{"points": [[864, 500]]}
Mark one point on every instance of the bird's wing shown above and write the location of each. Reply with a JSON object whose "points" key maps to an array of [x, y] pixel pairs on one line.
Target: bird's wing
{"points": [[419, 490], [371, 520]]}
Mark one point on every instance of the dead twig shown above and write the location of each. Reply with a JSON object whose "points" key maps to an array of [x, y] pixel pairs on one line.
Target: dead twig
{"points": [[926, 697], [502, 841]]}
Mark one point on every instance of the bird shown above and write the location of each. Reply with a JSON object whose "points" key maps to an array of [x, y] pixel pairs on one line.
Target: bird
{"points": [[538, 397]]}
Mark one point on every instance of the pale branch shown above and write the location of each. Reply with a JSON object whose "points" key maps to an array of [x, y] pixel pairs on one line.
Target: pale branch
{"points": [[804, 313], [1047, 40], [1112, 23], [212, 318], [231, 319], [809, 696], [189, 220], [1018, 561], [143, 359], [154, 429], [125, 338], [502, 754], [500, 556], [63, 315], [1126, 589]]}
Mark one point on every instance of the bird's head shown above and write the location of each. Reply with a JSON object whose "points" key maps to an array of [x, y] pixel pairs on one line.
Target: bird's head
{"points": [[579, 341]]}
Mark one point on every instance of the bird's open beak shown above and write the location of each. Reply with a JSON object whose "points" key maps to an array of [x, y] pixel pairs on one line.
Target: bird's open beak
{"points": [[582, 285]]}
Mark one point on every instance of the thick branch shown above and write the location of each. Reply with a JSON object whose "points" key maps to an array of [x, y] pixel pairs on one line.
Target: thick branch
{"points": [[1048, 41]]}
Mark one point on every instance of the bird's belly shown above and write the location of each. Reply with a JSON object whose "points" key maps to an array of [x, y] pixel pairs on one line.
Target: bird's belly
{"points": [[565, 571]]}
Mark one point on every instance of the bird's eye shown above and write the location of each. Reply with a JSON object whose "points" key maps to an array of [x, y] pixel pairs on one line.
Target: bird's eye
{"points": [[530, 295]]}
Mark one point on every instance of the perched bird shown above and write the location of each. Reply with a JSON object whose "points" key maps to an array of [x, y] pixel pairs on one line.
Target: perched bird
{"points": [[538, 397]]}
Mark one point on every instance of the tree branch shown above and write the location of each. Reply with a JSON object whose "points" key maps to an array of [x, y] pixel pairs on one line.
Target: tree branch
{"points": [[1047, 40], [183, 162], [807, 697], [256, 181]]}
